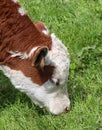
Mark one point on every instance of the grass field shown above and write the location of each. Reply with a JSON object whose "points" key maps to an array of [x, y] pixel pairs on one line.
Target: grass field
{"points": [[78, 23]]}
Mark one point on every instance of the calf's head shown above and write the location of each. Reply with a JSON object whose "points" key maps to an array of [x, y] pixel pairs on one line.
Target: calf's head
{"points": [[36, 63], [42, 75]]}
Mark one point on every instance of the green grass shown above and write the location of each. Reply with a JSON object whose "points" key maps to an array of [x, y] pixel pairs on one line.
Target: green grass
{"points": [[79, 25]]}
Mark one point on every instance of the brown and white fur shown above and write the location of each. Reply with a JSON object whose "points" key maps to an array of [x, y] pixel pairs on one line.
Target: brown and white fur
{"points": [[36, 62]]}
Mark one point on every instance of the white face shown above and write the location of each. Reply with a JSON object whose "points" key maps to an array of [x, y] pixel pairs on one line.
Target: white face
{"points": [[58, 57], [53, 93]]}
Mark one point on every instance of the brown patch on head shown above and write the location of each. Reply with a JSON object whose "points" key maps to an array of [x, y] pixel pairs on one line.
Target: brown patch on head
{"points": [[40, 26], [34, 73]]}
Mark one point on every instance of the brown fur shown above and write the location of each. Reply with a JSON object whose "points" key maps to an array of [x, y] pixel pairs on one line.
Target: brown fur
{"points": [[40, 26], [18, 33]]}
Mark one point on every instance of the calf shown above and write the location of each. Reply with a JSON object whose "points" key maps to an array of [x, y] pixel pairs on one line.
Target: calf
{"points": [[36, 62]]}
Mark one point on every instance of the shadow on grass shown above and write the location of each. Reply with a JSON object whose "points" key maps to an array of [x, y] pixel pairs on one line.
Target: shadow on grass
{"points": [[9, 95]]}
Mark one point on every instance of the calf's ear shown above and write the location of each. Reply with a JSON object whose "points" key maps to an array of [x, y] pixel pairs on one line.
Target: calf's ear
{"points": [[41, 27], [39, 58]]}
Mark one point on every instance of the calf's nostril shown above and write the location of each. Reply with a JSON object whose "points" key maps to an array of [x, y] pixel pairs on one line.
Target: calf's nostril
{"points": [[67, 108]]}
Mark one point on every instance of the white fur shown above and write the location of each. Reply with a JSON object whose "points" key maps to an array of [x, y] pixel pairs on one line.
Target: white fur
{"points": [[59, 57], [15, 1], [53, 97], [45, 32], [32, 51], [23, 55], [18, 54], [21, 11]]}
